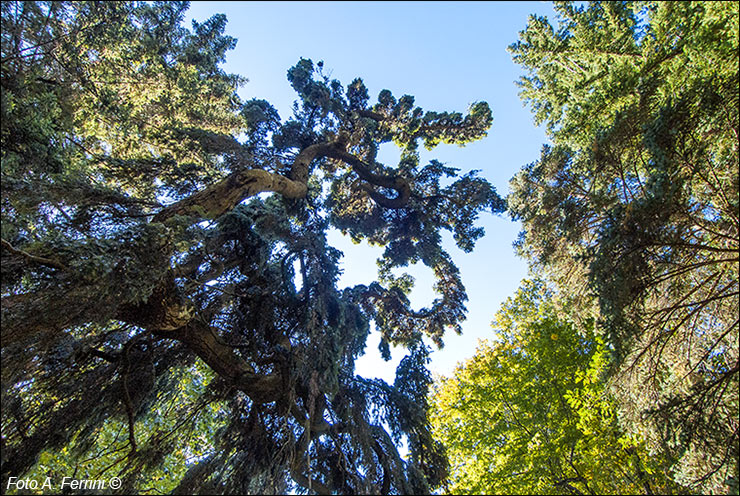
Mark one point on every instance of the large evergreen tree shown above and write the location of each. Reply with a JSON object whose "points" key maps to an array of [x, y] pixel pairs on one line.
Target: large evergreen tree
{"points": [[633, 210], [165, 321]]}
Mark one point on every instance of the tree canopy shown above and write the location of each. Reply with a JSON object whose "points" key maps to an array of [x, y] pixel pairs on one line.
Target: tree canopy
{"points": [[529, 413], [633, 210], [170, 305], [171, 313]]}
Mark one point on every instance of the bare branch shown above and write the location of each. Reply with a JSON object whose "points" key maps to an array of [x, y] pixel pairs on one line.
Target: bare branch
{"points": [[33, 258]]}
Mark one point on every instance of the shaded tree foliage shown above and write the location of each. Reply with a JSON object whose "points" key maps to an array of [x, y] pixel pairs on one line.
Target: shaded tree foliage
{"points": [[633, 209], [529, 412], [161, 314]]}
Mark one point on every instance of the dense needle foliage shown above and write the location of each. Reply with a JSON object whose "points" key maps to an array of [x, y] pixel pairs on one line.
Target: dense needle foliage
{"points": [[623, 378], [170, 309], [633, 210], [169, 300]]}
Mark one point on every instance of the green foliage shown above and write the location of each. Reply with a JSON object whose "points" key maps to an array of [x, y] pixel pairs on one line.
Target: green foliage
{"points": [[177, 430], [633, 209], [189, 351], [529, 413]]}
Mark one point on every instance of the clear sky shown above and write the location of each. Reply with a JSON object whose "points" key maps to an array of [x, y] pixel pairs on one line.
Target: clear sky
{"points": [[447, 55]]}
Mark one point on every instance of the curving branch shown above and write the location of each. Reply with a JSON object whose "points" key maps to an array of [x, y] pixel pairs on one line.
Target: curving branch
{"points": [[201, 340], [224, 195], [394, 203], [166, 314], [397, 183]]}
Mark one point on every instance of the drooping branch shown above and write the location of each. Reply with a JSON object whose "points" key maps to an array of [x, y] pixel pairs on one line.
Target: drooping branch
{"points": [[305, 482], [298, 465], [29, 316], [168, 315], [19, 458], [380, 436], [127, 399], [378, 293]]}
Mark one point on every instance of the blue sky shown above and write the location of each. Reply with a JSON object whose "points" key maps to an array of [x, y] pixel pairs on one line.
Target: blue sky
{"points": [[447, 55]]}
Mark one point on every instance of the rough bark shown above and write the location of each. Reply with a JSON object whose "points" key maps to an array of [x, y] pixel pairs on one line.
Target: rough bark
{"points": [[221, 197], [226, 194], [164, 310], [166, 313]]}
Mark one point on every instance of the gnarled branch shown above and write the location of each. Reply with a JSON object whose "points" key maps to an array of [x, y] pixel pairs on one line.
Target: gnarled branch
{"points": [[397, 183], [224, 195], [33, 258], [201, 340]]}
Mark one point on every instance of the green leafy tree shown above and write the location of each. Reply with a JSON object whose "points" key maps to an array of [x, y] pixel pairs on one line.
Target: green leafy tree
{"points": [[529, 412], [169, 300], [633, 209]]}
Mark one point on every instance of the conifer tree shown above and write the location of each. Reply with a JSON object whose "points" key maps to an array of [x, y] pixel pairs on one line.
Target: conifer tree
{"points": [[170, 305], [633, 210]]}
